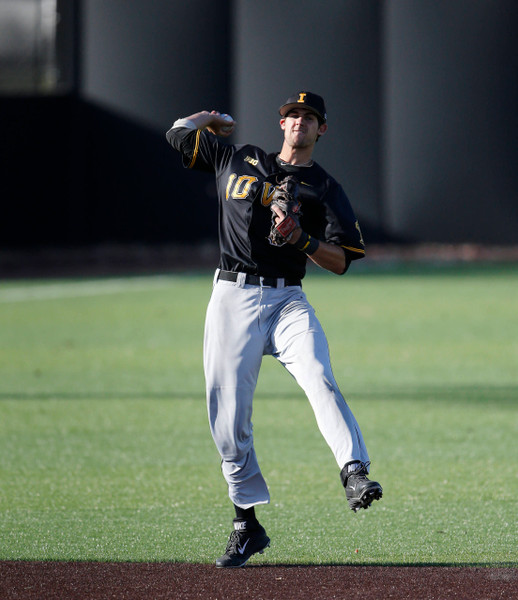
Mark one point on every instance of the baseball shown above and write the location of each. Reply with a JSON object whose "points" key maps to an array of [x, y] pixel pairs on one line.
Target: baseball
{"points": [[227, 118]]}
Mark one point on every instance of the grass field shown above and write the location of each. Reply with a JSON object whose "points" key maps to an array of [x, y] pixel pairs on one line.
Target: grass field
{"points": [[105, 452]]}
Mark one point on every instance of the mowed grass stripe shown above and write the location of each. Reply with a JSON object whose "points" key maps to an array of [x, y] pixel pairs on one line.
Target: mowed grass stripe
{"points": [[77, 289]]}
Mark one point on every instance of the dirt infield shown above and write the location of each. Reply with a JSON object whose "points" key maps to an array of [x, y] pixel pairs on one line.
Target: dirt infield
{"points": [[160, 581]]}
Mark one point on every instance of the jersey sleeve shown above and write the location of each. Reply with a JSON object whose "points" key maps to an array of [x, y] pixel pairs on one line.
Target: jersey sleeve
{"points": [[342, 227], [200, 149]]}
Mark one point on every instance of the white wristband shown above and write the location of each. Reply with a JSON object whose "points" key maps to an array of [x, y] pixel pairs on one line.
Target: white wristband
{"points": [[183, 123]]}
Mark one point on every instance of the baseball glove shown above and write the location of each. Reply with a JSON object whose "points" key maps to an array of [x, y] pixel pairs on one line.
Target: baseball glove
{"points": [[286, 197]]}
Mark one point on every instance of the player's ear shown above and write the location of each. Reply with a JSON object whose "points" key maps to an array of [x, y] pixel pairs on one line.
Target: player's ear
{"points": [[322, 129], [282, 123]]}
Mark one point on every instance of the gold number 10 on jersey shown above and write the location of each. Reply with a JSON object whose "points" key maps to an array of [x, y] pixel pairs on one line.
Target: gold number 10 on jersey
{"points": [[239, 187]]}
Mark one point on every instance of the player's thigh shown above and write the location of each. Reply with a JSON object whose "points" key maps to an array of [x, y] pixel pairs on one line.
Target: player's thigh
{"points": [[233, 342], [301, 345]]}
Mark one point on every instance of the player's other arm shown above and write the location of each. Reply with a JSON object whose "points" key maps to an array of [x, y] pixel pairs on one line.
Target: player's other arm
{"points": [[325, 255], [330, 257], [213, 121], [336, 256]]}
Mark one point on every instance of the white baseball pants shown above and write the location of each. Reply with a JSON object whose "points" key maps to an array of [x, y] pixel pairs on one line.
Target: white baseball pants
{"points": [[243, 323]]}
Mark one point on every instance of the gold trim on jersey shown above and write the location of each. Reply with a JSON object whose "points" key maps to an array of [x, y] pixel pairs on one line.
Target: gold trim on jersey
{"points": [[351, 249], [357, 225], [196, 148]]}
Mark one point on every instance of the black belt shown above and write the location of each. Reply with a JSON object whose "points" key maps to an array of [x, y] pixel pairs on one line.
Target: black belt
{"points": [[257, 280]]}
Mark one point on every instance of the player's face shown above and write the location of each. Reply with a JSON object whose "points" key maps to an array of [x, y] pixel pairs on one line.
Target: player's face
{"points": [[301, 128]]}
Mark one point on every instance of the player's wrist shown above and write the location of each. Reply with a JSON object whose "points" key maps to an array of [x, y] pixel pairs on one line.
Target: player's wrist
{"points": [[295, 236], [306, 243]]}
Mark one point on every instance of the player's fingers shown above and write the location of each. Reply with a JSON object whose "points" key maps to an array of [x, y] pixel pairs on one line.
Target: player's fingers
{"points": [[280, 215], [226, 132]]}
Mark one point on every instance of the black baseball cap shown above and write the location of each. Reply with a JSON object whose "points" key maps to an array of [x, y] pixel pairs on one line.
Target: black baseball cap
{"points": [[312, 102]]}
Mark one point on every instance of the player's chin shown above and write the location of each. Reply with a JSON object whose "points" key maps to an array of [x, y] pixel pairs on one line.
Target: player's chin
{"points": [[302, 141]]}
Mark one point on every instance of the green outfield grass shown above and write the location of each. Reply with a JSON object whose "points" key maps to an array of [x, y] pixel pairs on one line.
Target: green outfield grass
{"points": [[105, 452]]}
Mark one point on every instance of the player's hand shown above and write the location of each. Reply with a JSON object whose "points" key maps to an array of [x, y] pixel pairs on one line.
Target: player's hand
{"points": [[279, 218], [213, 121], [219, 125]]}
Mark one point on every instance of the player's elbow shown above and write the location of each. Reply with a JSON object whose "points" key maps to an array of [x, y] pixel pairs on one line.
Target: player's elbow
{"points": [[343, 264], [169, 136], [342, 270], [346, 266]]}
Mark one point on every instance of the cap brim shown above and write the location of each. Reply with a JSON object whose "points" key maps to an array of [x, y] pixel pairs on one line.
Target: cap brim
{"points": [[285, 108]]}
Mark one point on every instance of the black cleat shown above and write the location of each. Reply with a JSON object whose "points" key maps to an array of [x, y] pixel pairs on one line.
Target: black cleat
{"points": [[359, 490], [243, 543]]}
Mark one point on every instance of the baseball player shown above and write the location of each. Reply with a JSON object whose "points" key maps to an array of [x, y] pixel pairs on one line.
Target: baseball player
{"points": [[275, 211]]}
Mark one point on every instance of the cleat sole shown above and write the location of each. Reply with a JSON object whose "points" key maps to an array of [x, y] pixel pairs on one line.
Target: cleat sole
{"points": [[238, 565], [262, 551], [365, 500]]}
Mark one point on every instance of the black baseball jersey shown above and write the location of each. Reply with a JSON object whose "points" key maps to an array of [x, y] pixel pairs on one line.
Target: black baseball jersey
{"points": [[245, 180]]}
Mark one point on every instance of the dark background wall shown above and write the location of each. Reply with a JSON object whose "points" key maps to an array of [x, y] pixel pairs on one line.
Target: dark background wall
{"points": [[422, 100], [451, 120]]}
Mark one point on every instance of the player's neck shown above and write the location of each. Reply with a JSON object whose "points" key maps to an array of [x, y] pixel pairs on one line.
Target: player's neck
{"points": [[296, 156]]}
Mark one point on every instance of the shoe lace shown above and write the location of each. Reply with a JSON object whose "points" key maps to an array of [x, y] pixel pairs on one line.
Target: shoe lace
{"points": [[233, 541], [360, 471], [362, 468]]}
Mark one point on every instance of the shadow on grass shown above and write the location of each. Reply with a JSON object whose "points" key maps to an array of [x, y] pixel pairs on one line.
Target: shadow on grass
{"points": [[449, 393], [413, 565]]}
